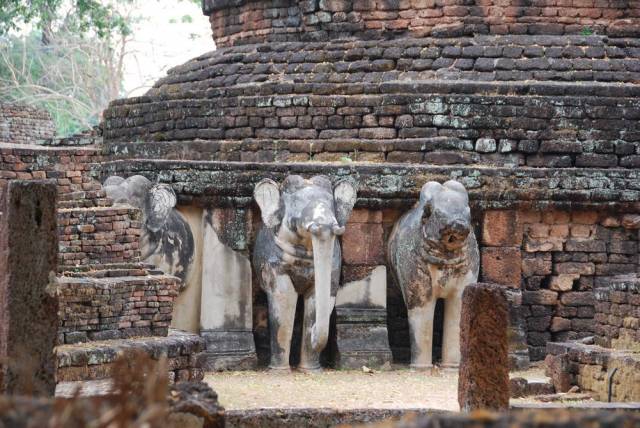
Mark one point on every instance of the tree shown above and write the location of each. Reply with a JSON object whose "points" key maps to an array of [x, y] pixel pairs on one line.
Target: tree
{"points": [[71, 64], [69, 59], [102, 18]]}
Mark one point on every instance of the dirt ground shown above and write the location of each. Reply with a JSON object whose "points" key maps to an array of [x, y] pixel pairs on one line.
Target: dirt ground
{"points": [[342, 389]]}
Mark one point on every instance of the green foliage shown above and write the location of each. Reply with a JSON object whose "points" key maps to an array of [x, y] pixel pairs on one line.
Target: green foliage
{"points": [[83, 16], [69, 77], [586, 31], [67, 55]]}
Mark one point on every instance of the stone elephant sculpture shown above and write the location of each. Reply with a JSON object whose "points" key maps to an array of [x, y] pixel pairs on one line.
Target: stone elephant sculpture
{"points": [[297, 253], [433, 254], [166, 241]]}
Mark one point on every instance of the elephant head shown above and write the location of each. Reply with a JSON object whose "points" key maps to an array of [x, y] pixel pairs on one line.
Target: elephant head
{"points": [[167, 240], [446, 217], [308, 215]]}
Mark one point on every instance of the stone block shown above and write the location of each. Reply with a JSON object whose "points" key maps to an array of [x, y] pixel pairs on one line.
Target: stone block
{"points": [[361, 322], [540, 297], [28, 302], [363, 244], [563, 282], [483, 381], [578, 298], [575, 268], [226, 314], [501, 228], [538, 265], [502, 265], [534, 245], [557, 368]]}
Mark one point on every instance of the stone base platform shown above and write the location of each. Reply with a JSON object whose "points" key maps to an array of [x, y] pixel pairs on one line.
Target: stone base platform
{"points": [[94, 360], [228, 350], [594, 368]]}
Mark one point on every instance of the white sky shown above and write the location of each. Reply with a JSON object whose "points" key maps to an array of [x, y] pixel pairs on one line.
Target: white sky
{"points": [[163, 40]]}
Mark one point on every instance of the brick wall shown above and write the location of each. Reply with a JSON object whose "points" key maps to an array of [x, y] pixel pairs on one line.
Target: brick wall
{"points": [[617, 317], [23, 124], [89, 230], [133, 303], [479, 100], [99, 235], [251, 21], [557, 258], [571, 130], [69, 167]]}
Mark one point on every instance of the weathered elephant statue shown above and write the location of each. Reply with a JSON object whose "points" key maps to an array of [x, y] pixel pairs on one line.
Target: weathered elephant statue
{"points": [[297, 253], [433, 254], [166, 241]]}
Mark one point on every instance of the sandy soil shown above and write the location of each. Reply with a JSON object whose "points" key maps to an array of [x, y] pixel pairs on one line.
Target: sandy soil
{"points": [[397, 389], [400, 388]]}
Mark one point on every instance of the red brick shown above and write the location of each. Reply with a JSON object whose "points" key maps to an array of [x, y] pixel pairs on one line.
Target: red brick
{"points": [[502, 265], [363, 244], [501, 228]]}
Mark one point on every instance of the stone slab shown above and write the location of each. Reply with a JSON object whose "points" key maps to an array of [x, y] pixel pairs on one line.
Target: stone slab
{"points": [[483, 382], [28, 304], [361, 322], [228, 350]]}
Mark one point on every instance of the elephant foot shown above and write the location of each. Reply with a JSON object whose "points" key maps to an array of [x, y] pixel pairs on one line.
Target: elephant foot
{"points": [[281, 369], [421, 367], [450, 368], [310, 369]]}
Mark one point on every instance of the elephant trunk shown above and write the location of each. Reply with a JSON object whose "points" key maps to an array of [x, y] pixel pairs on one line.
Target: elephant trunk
{"points": [[323, 247]]}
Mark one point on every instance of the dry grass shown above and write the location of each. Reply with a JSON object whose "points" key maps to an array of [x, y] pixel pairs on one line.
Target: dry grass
{"points": [[139, 400]]}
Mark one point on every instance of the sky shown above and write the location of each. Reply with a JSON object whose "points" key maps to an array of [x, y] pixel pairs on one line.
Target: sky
{"points": [[171, 33]]}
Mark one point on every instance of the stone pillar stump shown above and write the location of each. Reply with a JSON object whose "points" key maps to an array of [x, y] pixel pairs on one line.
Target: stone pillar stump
{"points": [[226, 318], [28, 302], [484, 366]]}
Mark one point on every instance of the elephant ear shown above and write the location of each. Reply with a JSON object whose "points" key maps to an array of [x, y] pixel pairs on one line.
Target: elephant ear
{"points": [[161, 201], [267, 195], [458, 187], [344, 194]]}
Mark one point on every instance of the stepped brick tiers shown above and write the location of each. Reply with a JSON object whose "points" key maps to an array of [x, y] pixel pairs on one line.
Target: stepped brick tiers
{"points": [[109, 302]]}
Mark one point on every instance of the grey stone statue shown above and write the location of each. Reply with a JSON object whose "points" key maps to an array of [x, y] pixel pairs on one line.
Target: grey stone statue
{"points": [[167, 241], [433, 254], [297, 253]]}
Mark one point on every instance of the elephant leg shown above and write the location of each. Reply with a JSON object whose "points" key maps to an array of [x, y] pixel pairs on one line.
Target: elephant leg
{"points": [[310, 359], [451, 331], [421, 329], [282, 311]]}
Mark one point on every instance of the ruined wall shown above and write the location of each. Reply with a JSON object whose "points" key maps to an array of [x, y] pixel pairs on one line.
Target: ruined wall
{"points": [[69, 167], [617, 318], [251, 21], [89, 231], [94, 307], [99, 235], [20, 124], [593, 368], [557, 258]]}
